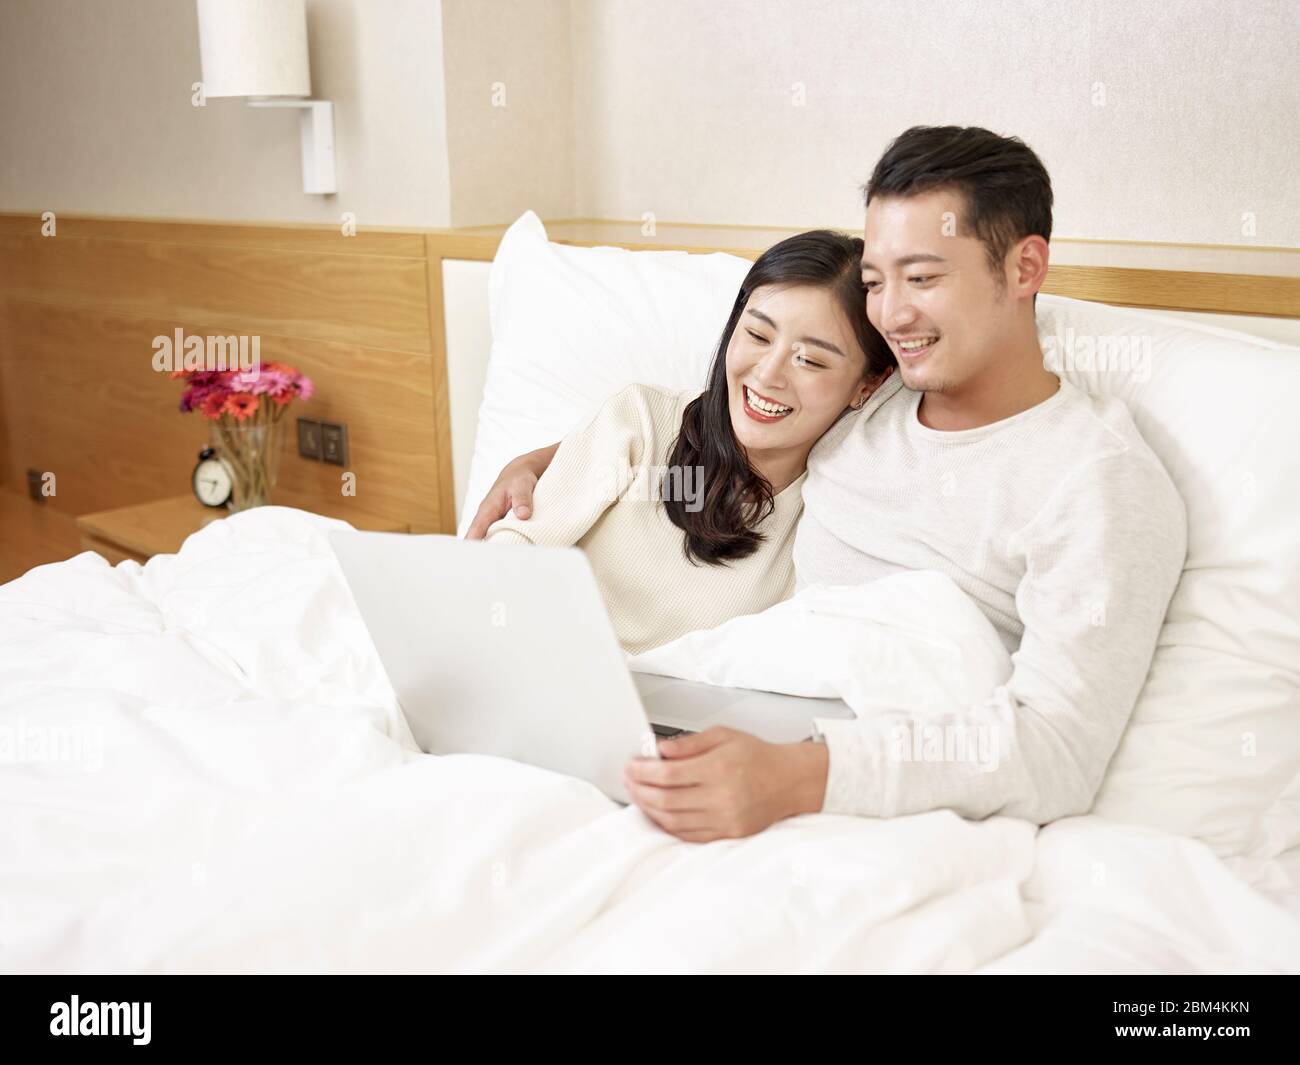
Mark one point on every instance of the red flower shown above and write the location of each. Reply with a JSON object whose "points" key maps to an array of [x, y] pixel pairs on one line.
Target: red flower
{"points": [[242, 405], [213, 404]]}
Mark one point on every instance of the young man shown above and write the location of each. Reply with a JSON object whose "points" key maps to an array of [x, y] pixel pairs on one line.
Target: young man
{"points": [[1040, 501]]}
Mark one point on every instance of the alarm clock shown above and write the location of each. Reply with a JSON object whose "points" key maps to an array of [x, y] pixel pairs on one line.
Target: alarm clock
{"points": [[212, 481]]}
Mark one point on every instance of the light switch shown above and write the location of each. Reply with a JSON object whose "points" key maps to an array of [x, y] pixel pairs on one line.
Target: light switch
{"points": [[309, 438], [334, 443]]}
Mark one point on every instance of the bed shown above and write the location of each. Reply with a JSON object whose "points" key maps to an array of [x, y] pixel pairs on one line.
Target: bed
{"points": [[205, 768]]}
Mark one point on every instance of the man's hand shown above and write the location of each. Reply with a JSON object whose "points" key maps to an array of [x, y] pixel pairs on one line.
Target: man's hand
{"points": [[727, 784], [513, 489]]}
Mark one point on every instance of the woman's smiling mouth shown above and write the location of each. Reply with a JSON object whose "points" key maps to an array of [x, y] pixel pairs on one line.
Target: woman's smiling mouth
{"points": [[762, 409]]}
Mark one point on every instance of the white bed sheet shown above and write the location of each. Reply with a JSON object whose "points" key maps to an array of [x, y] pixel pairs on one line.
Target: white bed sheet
{"points": [[203, 768]]}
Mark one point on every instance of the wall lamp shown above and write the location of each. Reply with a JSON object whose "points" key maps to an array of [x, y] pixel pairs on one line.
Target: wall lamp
{"points": [[258, 49]]}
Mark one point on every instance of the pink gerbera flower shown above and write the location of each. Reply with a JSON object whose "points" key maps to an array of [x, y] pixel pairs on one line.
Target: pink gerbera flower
{"points": [[218, 392]]}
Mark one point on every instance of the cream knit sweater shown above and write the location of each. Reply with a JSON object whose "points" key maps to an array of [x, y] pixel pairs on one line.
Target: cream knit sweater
{"points": [[601, 494]]}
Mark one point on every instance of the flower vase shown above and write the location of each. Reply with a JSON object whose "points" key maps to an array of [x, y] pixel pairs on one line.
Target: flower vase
{"points": [[251, 452]]}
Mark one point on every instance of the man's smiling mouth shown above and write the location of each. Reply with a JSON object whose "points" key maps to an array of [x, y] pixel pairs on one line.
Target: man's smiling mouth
{"points": [[911, 347]]}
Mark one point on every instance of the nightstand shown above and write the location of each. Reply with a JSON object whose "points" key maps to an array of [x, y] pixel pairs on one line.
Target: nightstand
{"points": [[159, 528]]}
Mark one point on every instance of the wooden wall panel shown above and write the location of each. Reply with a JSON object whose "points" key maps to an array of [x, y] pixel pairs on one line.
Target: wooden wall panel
{"points": [[374, 301], [6, 476], [79, 396], [107, 424], [281, 236], [1181, 290]]}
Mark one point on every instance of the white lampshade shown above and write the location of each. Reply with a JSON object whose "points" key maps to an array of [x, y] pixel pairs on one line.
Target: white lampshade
{"points": [[254, 47]]}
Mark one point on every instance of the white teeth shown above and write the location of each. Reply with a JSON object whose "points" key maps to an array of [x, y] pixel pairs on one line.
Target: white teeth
{"points": [[762, 406], [916, 345]]}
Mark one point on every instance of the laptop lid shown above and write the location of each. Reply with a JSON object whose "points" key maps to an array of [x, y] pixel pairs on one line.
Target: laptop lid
{"points": [[499, 649]]}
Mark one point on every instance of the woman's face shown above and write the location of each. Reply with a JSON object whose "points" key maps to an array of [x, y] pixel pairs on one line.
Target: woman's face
{"points": [[793, 366]]}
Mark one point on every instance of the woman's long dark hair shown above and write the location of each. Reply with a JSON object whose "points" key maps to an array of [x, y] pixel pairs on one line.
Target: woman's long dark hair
{"points": [[735, 497]]}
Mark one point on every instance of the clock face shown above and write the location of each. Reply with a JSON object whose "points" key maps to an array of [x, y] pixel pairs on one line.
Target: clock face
{"points": [[212, 483]]}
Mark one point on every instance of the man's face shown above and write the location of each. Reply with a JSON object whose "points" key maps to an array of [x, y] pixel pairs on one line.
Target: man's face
{"points": [[930, 291]]}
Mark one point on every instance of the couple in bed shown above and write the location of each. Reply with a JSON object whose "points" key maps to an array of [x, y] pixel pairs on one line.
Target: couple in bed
{"points": [[874, 406]]}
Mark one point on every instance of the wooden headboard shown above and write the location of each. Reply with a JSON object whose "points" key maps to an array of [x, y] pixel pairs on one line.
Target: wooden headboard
{"points": [[366, 317], [1215, 278]]}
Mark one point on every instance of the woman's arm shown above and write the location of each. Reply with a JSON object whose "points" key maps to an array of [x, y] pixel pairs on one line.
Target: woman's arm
{"points": [[512, 488]]}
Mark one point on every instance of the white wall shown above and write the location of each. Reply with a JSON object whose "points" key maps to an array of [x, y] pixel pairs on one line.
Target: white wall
{"points": [[509, 83], [1165, 120], [687, 109], [95, 116]]}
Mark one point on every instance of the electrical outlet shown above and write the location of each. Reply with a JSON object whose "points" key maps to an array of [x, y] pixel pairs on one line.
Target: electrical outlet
{"points": [[309, 438], [334, 443]]}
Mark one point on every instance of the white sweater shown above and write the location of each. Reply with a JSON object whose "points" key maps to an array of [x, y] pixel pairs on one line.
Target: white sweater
{"points": [[1067, 532], [599, 493]]}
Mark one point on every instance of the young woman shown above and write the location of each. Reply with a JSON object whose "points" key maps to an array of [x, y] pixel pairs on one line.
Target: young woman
{"points": [[686, 503]]}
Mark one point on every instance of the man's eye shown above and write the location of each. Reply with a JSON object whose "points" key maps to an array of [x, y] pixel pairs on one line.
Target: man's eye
{"points": [[871, 286], [756, 336], [922, 278]]}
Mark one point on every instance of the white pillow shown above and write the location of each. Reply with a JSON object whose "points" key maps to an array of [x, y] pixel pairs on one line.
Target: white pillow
{"points": [[1213, 749], [572, 326]]}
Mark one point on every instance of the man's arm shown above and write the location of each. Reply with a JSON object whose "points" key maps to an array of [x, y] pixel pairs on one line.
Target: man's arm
{"points": [[1103, 558], [512, 488]]}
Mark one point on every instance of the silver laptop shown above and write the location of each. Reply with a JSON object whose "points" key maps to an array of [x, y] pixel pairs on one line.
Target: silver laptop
{"points": [[507, 650]]}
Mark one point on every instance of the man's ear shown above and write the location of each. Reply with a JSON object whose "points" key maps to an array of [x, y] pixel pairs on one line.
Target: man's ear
{"points": [[1028, 267], [868, 387], [873, 383]]}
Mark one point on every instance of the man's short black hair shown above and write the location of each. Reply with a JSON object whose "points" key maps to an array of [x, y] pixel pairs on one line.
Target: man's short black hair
{"points": [[1005, 185]]}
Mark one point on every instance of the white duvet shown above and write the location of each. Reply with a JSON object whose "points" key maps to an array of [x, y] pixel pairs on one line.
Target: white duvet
{"points": [[203, 768], [912, 642]]}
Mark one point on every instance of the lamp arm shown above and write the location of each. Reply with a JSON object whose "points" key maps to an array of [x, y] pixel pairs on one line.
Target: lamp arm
{"points": [[317, 129]]}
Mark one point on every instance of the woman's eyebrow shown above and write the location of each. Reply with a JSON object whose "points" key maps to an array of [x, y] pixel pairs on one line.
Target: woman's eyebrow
{"points": [[824, 344]]}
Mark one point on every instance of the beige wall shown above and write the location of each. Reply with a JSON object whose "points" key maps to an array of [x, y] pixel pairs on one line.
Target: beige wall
{"points": [[95, 116], [509, 85], [1159, 119], [688, 110]]}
